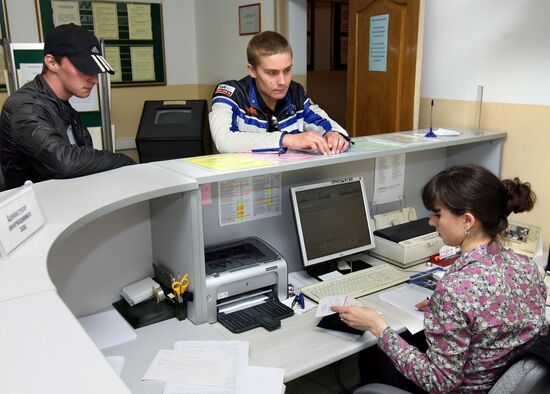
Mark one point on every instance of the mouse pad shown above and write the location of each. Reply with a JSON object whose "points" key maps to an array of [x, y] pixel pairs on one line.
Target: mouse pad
{"points": [[333, 322]]}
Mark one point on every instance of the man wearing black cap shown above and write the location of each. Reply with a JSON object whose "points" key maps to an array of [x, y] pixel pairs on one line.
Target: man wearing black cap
{"points": [[41, 135]]}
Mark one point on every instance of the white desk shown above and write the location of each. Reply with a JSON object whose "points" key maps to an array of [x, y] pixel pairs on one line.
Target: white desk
{"points": [[104, 230], [299, 347], [140, 353], [44, 348]]}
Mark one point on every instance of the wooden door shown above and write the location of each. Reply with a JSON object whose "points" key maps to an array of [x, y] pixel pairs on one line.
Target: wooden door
{"points": [[387, 100]]}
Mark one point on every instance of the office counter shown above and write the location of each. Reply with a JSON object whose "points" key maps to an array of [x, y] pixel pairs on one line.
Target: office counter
{"points": [[44, 348], [103, 231]]}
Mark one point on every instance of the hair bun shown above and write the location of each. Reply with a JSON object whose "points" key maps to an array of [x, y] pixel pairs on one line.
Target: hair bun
{"points": [[520, 196]]}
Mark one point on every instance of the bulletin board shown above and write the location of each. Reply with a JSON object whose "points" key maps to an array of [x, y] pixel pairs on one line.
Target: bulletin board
{"points": [[132, 33]]}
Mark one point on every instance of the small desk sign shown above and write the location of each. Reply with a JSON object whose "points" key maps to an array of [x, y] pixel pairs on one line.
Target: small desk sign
{"points": [[20, 218]]}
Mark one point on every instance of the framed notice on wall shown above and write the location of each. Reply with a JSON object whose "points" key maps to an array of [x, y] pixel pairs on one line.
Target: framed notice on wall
{"points": [[132, 33], [250, 19]]}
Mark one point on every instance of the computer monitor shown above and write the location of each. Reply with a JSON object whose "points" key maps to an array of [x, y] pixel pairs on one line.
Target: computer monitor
{"points": [[332, 219]]}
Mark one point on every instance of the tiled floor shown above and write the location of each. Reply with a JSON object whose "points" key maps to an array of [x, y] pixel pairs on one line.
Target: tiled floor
{"points": [[323, 381]]}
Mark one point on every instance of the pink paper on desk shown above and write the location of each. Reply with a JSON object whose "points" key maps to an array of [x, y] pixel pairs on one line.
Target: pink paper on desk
{"points": [[285, 157], [206, 193]]}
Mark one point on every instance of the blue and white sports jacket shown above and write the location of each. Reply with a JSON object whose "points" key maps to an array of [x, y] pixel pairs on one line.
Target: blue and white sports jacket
{"points": [[238, 124]]}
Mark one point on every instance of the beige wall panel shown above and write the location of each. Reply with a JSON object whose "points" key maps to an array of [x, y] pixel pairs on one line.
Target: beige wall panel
{"points": [[127, 104], [526, 150]]}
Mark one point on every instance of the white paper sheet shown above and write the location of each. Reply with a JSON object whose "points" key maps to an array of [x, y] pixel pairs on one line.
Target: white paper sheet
{"points": [[340, 300], [405, 298], [389, 178], [330, 275], [300, 279], [237, 349], [205, 368], [108, 329], [27, 72], [440, 133]]}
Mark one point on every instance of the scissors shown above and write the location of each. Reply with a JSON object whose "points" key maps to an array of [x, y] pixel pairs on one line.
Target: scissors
{"points": [[180, 285]]}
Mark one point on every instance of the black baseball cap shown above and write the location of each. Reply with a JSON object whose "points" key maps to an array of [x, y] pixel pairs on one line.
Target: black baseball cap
{"points": [[80, 46]]}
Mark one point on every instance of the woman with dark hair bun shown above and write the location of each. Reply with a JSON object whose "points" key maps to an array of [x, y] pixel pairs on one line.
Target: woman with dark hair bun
{"points": [[491, 301]]}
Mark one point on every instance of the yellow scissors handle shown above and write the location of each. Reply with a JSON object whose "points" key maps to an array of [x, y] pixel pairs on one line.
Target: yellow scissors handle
{"points": [[179, 286]]}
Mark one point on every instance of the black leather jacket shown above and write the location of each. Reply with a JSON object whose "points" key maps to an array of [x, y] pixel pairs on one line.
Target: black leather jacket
{"points": [[34, 144]]}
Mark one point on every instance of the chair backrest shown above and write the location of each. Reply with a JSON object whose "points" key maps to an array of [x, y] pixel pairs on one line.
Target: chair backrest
{"points": [[528, 375]]}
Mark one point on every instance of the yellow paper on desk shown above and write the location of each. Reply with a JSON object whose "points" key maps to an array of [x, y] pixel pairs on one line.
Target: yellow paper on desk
{"points": [[523, 238], [228, 162]]}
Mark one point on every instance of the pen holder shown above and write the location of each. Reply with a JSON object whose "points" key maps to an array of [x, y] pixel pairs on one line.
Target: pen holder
{"points": [[181, 305]]}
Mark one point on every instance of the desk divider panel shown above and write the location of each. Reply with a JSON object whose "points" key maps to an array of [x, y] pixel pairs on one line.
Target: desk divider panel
{"points": [[92, 265], [280, 231], [176, 224]]}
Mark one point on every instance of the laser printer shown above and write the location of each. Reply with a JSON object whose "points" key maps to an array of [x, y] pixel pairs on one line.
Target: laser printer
{"points": [[407, 244], [245, 275]]}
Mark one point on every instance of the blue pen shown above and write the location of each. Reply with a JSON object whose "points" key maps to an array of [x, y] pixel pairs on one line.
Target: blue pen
{"points": [[430, 133]]}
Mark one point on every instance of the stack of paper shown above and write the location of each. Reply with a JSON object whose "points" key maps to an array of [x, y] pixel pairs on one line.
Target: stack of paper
{"points": [[217, 367], [405, 298]]}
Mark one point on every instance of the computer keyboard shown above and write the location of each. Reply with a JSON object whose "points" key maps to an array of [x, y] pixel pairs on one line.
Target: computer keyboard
{"points": [[357, 284]]}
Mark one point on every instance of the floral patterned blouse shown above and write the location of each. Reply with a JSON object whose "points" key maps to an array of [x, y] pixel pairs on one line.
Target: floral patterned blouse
{"points": [[489, 303]]}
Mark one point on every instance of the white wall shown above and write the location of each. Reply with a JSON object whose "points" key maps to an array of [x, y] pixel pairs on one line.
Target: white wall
{"points": [[22, 21], [503, 45], [297, 35], [180, 41], [221, 52]]}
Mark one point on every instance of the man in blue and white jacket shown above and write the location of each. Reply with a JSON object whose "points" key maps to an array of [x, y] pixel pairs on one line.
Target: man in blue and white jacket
{"points": [[267, 111]]}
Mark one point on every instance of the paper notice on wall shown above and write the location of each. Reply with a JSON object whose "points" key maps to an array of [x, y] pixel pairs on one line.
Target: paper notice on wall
{"points": [[378, 42], [251, 198], [27, 72], [389, 179], [112, 55], [139, 21], [105, 20], [143, 63], [65, 12]]}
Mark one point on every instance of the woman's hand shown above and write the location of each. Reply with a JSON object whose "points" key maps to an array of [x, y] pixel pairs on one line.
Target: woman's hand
{"points": [[362, 318]]}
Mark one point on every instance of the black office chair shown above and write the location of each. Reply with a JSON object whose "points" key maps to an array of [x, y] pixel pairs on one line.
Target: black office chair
{"points": [[528, 375]]}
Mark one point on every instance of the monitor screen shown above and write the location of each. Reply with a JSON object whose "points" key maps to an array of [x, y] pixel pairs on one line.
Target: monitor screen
{"points": [[332, 219], [173, 115]]}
